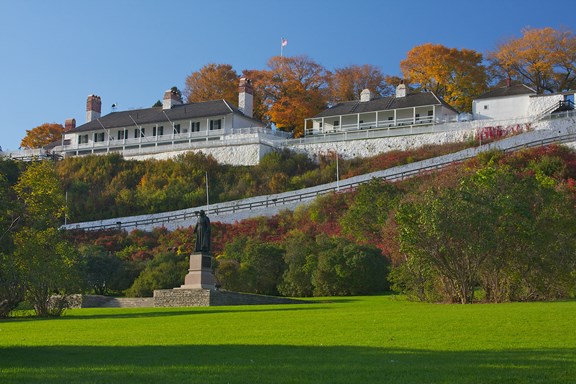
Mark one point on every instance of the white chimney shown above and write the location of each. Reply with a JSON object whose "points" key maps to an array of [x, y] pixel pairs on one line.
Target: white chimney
{"points": [[245, 97], [365, 95], [401, 89], [171, 98], [93, 108]]}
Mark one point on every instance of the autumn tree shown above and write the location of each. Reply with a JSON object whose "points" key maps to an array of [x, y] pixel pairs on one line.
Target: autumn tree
{"points": [[544, 59], [347, 83], [292, 89], [42, 135], [455, 75], [47, 263], [212, 82]]}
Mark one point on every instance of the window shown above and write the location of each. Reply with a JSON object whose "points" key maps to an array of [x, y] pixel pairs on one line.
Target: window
{"points": [[139, 133], [320, 124], [486, 107], [336, 123], [430, 113], [83, 139], [215, 124], [123, 134], [161, 130], [158, 131], [195, 126], [98, 136], [176, 128]]}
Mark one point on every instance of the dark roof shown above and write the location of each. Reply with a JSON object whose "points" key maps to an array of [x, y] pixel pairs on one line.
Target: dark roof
{"points": [[384, 103], [158, 115], [513, 90]]}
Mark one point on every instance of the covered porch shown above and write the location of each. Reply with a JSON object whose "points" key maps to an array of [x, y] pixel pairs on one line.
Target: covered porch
{"points": [[420, 115]]}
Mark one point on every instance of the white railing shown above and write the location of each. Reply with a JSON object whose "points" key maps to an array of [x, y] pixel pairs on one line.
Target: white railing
{"points": [[178, 141]]}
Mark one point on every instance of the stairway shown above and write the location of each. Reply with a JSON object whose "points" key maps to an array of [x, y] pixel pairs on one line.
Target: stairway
{"points": [[96, 301]]}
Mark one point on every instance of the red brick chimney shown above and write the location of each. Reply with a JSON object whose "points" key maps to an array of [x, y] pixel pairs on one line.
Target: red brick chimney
{"points": [[93, 108], [69, 125]]}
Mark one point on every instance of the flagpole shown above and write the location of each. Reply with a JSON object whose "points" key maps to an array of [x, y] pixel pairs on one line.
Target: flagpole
{"points": [[207, 195]]}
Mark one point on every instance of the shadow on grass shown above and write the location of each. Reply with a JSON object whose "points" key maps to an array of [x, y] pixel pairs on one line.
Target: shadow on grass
{"points": [[281, 364], [131, 313]]}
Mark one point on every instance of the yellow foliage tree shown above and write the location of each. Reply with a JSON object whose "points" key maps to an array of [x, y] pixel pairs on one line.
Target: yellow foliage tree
{"points": [[455, 75], [42, 135], [544, 59]]}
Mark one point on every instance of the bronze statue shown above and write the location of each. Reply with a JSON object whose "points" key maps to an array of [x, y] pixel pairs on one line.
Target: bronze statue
{"points": [[202, 231]]}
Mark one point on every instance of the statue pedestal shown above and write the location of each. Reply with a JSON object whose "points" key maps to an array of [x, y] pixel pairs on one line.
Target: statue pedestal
{"points": [[200, 273]]}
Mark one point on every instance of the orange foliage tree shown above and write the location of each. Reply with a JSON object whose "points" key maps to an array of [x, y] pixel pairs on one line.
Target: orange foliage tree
{"points": [[212, 82], [543, 58], [455, 75], [42, 135], [294, 88]]}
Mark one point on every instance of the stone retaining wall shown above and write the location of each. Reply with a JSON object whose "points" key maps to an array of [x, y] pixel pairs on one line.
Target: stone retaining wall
{"points": [[205, 298]]}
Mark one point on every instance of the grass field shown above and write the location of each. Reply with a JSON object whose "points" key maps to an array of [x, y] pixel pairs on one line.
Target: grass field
{"points": [[380, 339]]}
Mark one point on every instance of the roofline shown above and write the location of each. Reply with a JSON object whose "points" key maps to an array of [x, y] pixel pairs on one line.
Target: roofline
{"points": [[440, 102]]}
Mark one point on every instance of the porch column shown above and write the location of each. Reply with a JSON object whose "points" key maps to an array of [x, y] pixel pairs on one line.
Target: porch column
{"points": [[413, 115], [376, 120]]}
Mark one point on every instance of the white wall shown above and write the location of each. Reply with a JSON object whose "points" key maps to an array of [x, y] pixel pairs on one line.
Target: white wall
{"points": [[541, 103], [247, 154], [501, 108]]}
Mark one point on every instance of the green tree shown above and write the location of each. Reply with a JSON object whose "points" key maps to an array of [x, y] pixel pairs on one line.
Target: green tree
{"points": [[300, 263], [50, 269], [167, 270], [103, 271], [345, 268], [11, 284], [257, 267], [508, 232], [369, 211], [444, 229], [42, 196]]}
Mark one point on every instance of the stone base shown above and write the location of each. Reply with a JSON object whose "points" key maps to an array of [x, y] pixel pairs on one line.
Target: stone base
{"points": [[200, 273], [179, 297]]}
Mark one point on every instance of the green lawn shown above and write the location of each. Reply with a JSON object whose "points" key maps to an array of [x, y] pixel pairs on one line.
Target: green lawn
{"points": [[348, 340]]}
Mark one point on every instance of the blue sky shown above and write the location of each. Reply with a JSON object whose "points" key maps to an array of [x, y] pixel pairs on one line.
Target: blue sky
{"points": [[55, 53]]}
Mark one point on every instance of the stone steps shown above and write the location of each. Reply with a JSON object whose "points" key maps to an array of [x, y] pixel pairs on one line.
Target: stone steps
{"points": [[132, 302], [97, 301]]}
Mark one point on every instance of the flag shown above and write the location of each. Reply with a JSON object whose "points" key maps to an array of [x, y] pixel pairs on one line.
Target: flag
{"points": [[284, 42]]}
